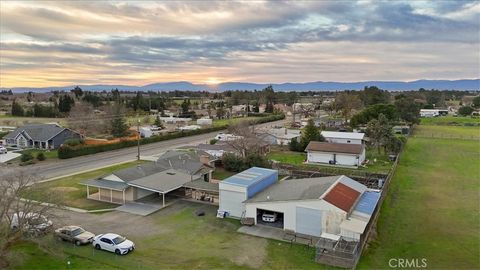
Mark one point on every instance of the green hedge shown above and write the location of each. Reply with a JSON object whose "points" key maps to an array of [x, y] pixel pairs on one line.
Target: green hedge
{"points": [[66, 151]]}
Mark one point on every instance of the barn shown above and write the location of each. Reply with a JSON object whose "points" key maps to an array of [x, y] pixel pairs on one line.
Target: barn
{"points": [[242, 186], [334, 205]]}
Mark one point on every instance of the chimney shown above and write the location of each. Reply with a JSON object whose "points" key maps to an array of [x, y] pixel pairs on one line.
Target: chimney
{"points": [[205, 159]]}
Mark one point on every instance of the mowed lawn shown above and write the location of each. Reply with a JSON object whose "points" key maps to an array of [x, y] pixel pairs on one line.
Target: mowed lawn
{"points": [[74, 194], [180, 240], [432, 208]]}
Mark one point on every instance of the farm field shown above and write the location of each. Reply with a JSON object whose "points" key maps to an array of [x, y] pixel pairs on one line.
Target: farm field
{"points": [[75, 194], [177, 240], [8, 120], [449, 120], [431, 210]]}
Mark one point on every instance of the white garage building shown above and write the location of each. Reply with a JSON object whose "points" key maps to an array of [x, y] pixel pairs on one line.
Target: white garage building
{"points": [[242, 186], [315, 206], [343, 154]]}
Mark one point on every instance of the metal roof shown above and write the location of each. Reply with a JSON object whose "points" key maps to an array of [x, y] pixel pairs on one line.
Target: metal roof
{"points": [[295, 189], [163, 181], [249, 177], [367, 203], [344, 148], [343, 135], [103, 183], [342, 196]]}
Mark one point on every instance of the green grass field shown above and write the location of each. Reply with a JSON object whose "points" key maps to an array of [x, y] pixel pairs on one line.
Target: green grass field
{"points": [[48, 154], [183, 241], [288, 157], [75, 195], [449, 120], [223, 122], [432, 207], [434, 131]]}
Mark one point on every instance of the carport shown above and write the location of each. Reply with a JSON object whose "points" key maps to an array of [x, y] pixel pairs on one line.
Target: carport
{"points": [[162, 183]]}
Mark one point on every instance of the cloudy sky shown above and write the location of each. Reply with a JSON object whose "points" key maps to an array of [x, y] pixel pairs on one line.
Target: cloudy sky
{"points": [[135, 43]]}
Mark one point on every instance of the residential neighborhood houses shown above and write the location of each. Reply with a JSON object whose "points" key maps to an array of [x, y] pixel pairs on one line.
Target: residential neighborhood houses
{"points": [[323, 195]]}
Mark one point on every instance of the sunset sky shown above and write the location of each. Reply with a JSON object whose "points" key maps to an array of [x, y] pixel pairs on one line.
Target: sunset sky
{"points": [[136, 43]]}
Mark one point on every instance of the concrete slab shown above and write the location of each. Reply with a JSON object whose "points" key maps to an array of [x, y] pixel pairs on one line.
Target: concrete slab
{"points": [[137, 208], [8, 156]]}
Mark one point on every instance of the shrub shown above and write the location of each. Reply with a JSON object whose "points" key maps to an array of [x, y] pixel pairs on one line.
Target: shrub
{"points": [[213, 141], [41, 156], [73, 142], [26, 157], [233, 163]]}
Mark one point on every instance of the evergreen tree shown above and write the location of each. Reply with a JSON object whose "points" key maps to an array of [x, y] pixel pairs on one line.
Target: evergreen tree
{"points": [[65, 103], [17, 109], [310, 133], [118, 124], [158, 122]]}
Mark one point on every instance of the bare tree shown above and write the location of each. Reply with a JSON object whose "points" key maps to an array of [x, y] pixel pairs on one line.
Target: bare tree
{"points": [[246, 141], [16, 186], [345, 103], [82, 119]]}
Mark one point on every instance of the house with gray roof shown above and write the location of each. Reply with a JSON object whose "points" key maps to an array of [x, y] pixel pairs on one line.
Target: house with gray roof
{"points": [[171, 172], [41, 136]]}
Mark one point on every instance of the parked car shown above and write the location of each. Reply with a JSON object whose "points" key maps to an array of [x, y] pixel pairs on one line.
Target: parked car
{"points": [[32, 222], [269, 217], [114, 243], [74, 234], [3, 150]]}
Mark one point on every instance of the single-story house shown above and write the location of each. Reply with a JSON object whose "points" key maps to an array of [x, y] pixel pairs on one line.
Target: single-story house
{"points": [[41, 136], [169, 173], [344, 137], [280, 136], [343, 154], [334, 205]]}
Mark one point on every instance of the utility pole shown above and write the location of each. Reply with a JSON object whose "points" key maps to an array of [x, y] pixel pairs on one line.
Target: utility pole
{"points": [[138, 138]]}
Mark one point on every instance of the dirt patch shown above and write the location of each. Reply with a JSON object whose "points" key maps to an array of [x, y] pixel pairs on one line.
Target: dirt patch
{"points": [[250, 252], [65, 189]]}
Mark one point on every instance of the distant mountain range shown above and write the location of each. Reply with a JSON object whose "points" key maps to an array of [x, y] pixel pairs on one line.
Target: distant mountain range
{"points": [[472, 84]]}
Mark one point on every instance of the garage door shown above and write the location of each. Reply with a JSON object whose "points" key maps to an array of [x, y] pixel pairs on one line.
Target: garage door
{"points": [[308, 221], [231, 202]]}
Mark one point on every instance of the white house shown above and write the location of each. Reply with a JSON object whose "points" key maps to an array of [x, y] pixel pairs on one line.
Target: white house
{"points": [[344, 137], [334, 205], [342, 154], [281, 136]]}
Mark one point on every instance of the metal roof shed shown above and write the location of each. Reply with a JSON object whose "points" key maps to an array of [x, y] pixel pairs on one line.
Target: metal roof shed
{"points": [[242, 186]]}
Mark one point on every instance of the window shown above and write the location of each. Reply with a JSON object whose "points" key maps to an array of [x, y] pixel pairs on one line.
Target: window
{"points": [[105, 240]]}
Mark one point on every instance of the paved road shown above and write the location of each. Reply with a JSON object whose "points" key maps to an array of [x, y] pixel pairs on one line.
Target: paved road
{"points": [[56, 168]]}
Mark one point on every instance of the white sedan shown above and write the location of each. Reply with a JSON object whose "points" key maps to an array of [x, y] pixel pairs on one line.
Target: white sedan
{"points": [[113, 243]]}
